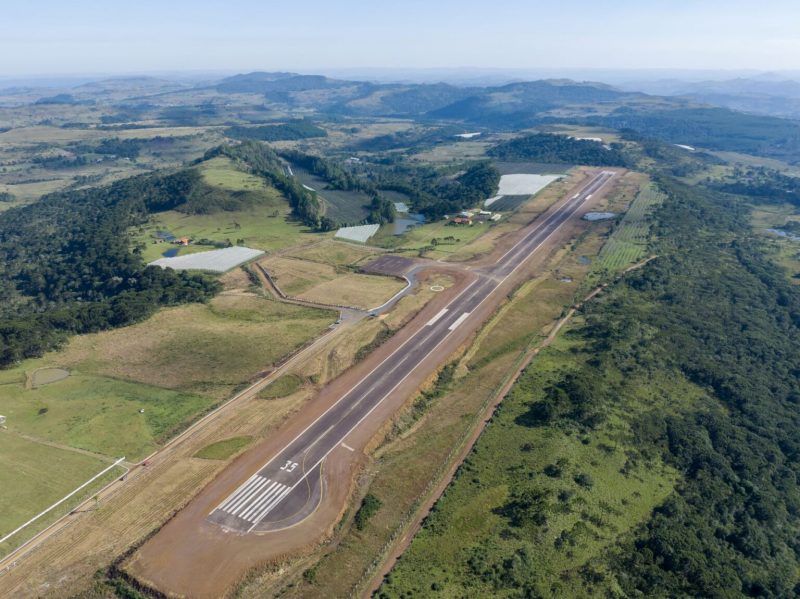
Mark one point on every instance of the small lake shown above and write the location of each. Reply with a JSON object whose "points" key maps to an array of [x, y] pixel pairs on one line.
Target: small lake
{"points": [[165, 235], [171, 252], [593, 216], [401, 225], [786, 234]]}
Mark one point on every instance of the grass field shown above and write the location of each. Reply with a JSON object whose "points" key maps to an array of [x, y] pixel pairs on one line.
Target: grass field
{"points": [[99, 414], [420, 237], [628, 242], [458, 150], [283, 386], [323, 283], [259, 229], [173, 366], [222, 450], [33, 476], [267, 226], [784, 251], [335, 253]]}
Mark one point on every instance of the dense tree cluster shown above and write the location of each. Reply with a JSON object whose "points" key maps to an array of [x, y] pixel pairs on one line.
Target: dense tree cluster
{"points": [[336, 176], [381, 211], [670, 158], [60, 161], [468, 189], [729, 321], [289, 131], [762, 184], [559, 149]]}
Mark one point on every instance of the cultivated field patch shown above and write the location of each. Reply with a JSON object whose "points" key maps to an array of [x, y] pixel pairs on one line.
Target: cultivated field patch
{"points": [[628, 243]]}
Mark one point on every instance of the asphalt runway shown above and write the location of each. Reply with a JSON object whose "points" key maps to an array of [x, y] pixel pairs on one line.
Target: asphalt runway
{"points": [[282, 492]]}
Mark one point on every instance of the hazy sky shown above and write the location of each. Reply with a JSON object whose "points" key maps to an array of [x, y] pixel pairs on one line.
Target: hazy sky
{"points": [[93, 36]]}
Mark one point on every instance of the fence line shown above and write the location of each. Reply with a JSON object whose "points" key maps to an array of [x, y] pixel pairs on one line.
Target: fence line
{"points": [[60, 501]]}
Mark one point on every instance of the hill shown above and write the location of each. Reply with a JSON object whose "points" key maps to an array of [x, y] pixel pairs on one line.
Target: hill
{"points": [[67, 264]]}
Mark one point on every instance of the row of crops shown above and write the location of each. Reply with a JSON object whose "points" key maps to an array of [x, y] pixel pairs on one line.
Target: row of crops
{"points": [[628, 242]]}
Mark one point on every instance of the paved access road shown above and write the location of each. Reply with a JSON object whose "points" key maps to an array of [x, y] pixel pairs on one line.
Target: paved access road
{"points": [[281, 485]]}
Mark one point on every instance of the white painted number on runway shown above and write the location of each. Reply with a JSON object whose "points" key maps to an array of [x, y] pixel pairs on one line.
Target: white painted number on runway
{"points": [[289, 466]]}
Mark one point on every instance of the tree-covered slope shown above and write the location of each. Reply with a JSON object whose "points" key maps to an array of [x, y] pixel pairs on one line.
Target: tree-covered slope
{"points": [[66, 265], [653, 452]]}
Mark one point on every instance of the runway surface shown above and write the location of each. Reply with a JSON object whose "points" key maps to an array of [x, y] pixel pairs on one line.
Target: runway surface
{"points": [[282, 490]]}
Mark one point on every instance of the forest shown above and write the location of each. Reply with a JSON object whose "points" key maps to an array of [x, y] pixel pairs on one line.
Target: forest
{"points": [[559, 149], [712, 128], [67, 266], [289, 131], [763, 185]]}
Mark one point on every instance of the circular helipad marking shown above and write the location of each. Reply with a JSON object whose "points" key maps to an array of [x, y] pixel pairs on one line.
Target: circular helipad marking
{"points": [[437, 288]]}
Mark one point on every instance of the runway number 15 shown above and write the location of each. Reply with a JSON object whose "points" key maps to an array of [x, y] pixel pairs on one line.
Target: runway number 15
{"points": [[289, 466]]}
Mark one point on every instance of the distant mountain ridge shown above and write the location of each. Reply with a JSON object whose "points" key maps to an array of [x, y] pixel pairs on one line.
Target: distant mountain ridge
{"points": [[764, 95]]}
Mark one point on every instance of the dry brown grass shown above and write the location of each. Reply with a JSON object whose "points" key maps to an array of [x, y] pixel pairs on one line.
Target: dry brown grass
{"points": [[335, 253], [325, 284], [206, 349]]}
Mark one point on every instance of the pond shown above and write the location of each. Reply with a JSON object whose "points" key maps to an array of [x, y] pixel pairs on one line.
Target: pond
{"points": [[401, 225], [786, 234], [171, 252], [593, 216]]}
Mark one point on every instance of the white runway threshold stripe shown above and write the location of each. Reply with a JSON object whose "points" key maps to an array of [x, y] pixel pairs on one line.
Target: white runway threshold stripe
{"points": [[433, 320], [253, 500], [458, 321]]}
